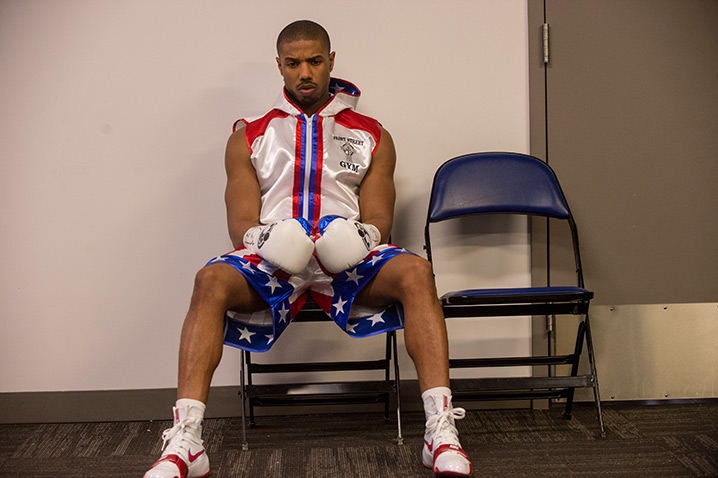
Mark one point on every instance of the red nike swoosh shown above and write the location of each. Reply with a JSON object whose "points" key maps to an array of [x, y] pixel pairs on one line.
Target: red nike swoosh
{"points": [[430, 446], [192, 457]]}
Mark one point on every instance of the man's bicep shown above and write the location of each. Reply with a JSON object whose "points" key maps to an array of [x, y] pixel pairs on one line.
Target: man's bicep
{"points": [[385, 155], [377, 194], [242, 194]]}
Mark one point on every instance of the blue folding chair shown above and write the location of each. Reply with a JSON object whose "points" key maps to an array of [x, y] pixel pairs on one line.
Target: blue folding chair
{"points": [[474, 185]]}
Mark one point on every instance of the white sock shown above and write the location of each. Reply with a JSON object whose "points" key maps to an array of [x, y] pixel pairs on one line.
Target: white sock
{"points": [[189, 402], [431, 404], [185, 407]]}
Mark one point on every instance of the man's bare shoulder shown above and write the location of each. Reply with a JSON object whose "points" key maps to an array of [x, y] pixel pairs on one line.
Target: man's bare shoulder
{"points": [[385, 133], [386, 146], [237, 147]]}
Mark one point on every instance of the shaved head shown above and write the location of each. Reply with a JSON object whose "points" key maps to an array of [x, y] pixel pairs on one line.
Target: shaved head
{"points": [[304, 30]]}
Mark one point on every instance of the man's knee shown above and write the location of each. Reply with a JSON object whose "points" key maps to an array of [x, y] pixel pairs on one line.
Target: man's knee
{"points": [[415, 274], [223, 285], [213, 283], [404, 278], [209, 277]]}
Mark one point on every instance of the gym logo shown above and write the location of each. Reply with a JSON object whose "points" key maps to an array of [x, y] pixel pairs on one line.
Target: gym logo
{"points": [[348, 150], [345, 140], [349, 147], [353, 167]]}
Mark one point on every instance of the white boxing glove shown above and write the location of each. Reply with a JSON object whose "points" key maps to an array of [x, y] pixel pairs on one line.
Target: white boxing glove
{"points": [[286, 244], [343, 243]]}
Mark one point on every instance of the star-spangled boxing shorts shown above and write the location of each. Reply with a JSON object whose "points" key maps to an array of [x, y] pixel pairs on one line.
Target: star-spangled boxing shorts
{"points": [[286, 294]]}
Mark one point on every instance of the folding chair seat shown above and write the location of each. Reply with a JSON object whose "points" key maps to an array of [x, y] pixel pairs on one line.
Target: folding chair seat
{"points": [[318, 393], [471, 187]]}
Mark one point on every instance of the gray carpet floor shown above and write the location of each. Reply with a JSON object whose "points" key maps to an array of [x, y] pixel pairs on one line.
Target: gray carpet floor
{"points": [[666, 440]]}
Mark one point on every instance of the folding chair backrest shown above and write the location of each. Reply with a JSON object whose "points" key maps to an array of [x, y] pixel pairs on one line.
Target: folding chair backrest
{"points": [[496, 183], [504, 183]]}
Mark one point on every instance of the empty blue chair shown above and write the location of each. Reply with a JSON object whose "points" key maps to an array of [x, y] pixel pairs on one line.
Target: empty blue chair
{"points": [[472, 186]]}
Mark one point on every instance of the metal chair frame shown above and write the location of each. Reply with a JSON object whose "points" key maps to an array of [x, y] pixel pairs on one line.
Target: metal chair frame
{"points": [[533, 301], [347, 392]]}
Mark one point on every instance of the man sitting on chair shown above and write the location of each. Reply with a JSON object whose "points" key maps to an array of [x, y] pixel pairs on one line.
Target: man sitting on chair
{"points": [[310, 201]]}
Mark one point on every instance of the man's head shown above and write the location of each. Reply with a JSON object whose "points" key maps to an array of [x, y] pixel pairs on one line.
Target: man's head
{"points": [[305, 61], [303, 30]]}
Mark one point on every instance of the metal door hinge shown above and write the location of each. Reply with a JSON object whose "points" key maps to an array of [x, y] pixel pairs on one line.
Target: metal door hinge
{"points": [[544, 29]]}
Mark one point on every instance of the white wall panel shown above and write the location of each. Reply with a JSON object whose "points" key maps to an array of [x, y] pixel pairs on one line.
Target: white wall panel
{"points": [[114, 117]]}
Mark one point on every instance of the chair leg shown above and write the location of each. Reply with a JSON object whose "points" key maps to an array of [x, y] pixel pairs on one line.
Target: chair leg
{"points": [[387, 375], [596, 394], [250, 401], [397, 384], [243, 393], [580, 335]]}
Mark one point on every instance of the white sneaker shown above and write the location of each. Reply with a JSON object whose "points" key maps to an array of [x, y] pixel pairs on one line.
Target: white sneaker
{"points": [[442, 451], [183, 454]]}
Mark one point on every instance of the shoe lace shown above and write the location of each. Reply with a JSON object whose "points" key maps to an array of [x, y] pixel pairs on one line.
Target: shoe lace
{"points": [[189, 425], [442, 425]]}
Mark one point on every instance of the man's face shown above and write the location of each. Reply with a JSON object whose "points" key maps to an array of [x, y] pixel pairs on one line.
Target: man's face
{"points": [[306, 66]]}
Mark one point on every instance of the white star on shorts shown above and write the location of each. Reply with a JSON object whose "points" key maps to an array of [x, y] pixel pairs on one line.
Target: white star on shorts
{"points": [[375, 318], [245, 334], [353, 276], [283, 313], [339, 305], [273, 283], [374, 259]]}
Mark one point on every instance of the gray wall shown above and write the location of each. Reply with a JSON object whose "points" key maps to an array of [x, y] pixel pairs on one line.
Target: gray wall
{"points": [[626, 113]]}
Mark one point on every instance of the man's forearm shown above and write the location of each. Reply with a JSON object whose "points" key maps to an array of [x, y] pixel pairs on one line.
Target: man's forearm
{"points": [[237, 231], [382, 223]]}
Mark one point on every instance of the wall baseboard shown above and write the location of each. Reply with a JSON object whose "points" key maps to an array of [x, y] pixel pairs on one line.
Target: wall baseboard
{"points": [[156, 404]]}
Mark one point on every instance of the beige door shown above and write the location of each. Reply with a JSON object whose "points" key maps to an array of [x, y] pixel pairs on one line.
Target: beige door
{"points": [[626, 112], [632, 131]]}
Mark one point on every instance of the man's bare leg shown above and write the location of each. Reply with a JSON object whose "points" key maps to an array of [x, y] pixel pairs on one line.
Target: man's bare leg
{"points": [[217, 288], [409, 279]]}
